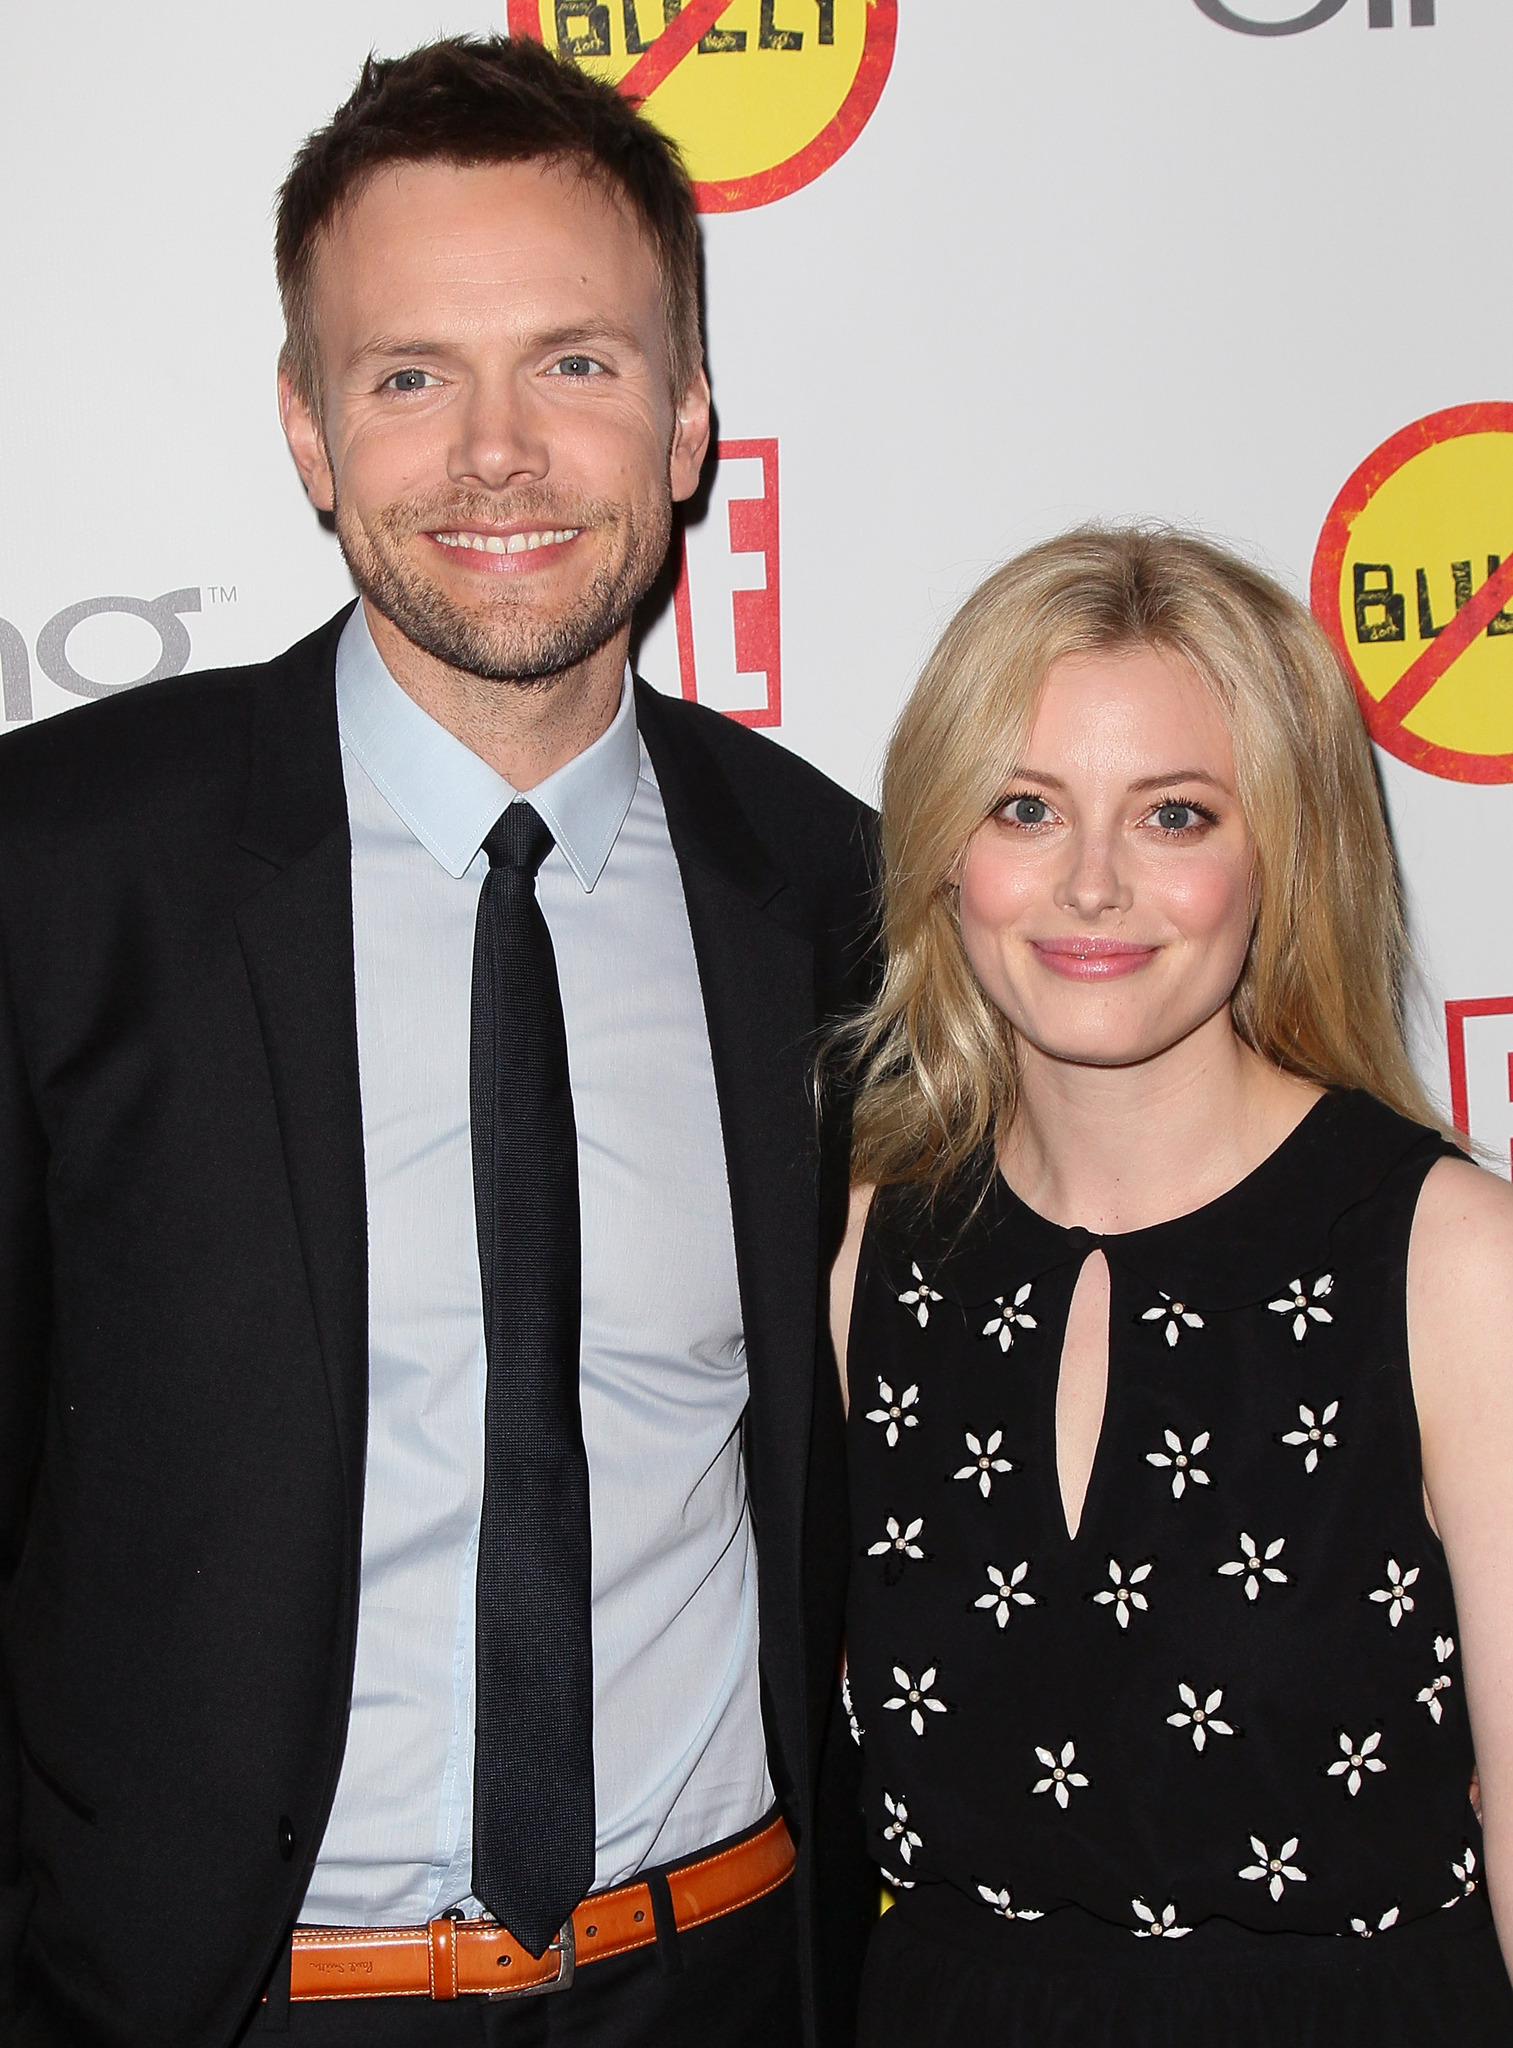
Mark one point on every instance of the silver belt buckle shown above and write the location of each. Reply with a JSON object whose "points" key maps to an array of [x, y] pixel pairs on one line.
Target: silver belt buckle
{"points": [[567, 1961]]}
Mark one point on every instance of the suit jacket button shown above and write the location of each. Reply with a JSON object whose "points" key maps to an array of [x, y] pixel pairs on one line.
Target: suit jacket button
{"points": [[286, 1837]]}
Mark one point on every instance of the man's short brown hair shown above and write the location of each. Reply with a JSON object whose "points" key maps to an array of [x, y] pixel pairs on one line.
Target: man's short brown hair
{"points": [[487, 100]]}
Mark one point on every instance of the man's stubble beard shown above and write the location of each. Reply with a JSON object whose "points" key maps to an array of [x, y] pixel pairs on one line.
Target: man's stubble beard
{"points": [[505, 641]]}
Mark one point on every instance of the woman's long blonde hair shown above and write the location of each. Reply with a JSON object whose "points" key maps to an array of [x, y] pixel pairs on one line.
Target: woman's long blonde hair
{"points": [[1322, 988]]}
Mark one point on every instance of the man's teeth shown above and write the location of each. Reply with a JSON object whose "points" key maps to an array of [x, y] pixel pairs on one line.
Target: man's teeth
{"points": [[507, 543]]}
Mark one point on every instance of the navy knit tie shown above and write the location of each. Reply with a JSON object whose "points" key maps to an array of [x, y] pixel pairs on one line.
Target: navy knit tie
{"points": [[533, 1770]]}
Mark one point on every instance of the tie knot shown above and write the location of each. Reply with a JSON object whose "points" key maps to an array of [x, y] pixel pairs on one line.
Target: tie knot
{"points": [[521, 839]]}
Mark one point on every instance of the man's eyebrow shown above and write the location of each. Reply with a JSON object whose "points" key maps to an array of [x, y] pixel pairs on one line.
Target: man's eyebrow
{"points": [[580, 334], [384, 346], [584, 331]]}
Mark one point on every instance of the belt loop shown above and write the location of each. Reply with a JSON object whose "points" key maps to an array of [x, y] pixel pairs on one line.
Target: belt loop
{"points": [[276, 1996], [443, 1945], [669, 1951]]}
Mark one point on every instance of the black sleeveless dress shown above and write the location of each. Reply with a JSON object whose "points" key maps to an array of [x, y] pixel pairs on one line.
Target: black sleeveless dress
{"points": [[1201, 1773]]}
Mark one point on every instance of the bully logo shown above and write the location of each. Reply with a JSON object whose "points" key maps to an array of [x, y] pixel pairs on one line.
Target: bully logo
{"points": [[1413, 582], [761, 96], [163, 614]]}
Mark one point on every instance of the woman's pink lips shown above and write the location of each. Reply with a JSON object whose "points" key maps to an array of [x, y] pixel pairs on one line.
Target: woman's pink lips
{"points": [[1093, 959]]}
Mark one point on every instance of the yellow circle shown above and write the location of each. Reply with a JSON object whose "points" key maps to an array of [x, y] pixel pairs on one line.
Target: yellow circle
{"points": [[734, 107], [1423, 545]]}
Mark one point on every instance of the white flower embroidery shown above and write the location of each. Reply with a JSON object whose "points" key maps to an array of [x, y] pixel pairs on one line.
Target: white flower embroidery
{"points": [[1301, 1309], [1395, 1594], [898, 1542], [1275, 1869], [985, 1462], [1316, 1433], [1154, 1928], [1444, 1650], [1123, 1597], [1005, 1590], [1175, 1313], [1002, 1903], [1365, 1930], [1061, 1773], [918, 1298], [914, 1695], [1355, 1761], [851, 1721], [1255, 1566], [895, 1414], [1180, 1461], [1010, 1317], [898, 1828], [1465, 1876], [1204, 1720]]}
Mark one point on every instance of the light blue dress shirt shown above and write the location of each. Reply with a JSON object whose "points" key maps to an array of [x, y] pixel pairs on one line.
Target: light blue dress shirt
{"points": [[679, 1756]]}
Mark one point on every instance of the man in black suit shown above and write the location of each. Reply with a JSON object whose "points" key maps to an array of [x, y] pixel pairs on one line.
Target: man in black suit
{"points": [[421, 1488]]}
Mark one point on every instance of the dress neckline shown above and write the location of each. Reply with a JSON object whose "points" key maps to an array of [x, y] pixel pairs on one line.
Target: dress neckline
{"points": [[1276, 1158], [1232, 1250]]}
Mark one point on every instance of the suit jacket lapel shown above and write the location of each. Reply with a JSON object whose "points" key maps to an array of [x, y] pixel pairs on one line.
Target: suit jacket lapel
{"points": [[296, 937], [757, 974]]}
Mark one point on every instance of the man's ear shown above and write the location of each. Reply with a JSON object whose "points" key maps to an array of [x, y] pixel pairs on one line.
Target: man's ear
{"points": [[690, 439], [307, 444]]}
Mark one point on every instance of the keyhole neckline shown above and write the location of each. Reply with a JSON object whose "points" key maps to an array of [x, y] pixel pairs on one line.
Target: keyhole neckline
{"points": [[1229, 1251]]}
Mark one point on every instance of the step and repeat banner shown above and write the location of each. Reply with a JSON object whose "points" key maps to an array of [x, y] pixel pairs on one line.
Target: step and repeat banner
{"points": [[978, 269]]}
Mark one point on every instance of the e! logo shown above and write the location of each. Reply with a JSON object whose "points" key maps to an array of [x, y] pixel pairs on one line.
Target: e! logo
{"points": [[727, 606], [1479, 1040]]}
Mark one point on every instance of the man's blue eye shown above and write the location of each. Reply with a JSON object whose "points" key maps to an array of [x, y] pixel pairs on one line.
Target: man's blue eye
{"points": [[577, 366], [409, 380]]}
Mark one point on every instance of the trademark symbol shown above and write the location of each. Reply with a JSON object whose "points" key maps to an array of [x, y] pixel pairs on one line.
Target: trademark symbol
{"points": [[221, 593]]}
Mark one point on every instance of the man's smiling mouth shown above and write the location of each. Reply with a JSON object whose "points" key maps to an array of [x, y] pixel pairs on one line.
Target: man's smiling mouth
{"points": [[508, 543]]}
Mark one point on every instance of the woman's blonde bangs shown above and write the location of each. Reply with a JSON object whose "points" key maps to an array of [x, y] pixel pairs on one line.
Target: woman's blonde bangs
{"points": [[1321, 992]]}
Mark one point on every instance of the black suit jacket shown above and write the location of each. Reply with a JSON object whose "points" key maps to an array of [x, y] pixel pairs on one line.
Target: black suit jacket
{"points": [[183, 1312]]}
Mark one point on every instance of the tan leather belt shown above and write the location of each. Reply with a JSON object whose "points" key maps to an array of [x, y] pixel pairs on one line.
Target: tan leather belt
{"points": [[447, 1958]]}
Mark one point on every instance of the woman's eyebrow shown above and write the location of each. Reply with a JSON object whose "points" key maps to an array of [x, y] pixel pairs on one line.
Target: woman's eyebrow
{"points": [[1179, 775], [1145, 782]]}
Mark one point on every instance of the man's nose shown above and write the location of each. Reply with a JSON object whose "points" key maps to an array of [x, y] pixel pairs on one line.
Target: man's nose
{"points": [[1092, 880], [500, 438]]}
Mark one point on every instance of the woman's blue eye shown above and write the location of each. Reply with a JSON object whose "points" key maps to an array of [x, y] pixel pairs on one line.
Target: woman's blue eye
{"points": [[1176, 817], [1028, 810]]}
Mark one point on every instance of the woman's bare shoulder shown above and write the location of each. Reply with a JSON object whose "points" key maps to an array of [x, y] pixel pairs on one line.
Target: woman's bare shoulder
{"points": [[1464, 1214], [1460, 1276]]}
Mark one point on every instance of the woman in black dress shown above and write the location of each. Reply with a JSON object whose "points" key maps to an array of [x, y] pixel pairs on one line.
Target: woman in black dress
{"points": [[1177, 1335]]}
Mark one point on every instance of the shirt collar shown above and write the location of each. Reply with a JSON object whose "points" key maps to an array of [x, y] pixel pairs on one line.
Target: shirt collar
{"points": [[448, 797]]}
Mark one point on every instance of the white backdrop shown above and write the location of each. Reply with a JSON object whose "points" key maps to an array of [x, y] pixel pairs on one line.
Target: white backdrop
{"points": [[1088, 257]]}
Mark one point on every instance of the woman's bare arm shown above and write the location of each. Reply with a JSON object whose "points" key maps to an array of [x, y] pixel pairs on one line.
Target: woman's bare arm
{"points": [[843, 1280], [1460, 1336]]}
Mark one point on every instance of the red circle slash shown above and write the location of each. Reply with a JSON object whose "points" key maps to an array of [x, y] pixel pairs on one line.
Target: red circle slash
{"points": [[681, 36], [1385, 715]]}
